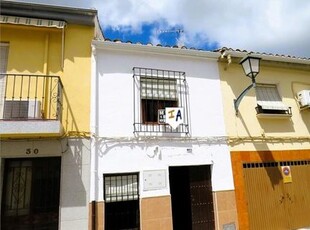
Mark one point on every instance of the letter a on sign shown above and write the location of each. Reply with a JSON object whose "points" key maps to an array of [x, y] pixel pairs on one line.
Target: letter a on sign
{"points": [[174, 116]]}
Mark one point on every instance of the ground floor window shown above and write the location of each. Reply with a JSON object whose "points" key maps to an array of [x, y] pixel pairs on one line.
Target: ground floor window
{"points": [[121, 194]]}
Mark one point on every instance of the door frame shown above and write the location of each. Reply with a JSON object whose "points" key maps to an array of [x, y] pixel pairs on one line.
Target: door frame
{"points": [[192, 208]]}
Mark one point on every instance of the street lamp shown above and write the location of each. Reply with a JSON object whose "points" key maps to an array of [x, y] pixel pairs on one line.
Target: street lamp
{"points": [[250, 67]]}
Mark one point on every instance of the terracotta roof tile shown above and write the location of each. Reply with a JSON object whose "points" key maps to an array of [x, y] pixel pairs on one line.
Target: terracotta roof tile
{"points": [[221, 50]]}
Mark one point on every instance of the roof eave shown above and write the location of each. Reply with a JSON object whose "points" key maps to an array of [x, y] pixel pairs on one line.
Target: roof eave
{"points": [[69, 14], [110, 45], [267, 57]]}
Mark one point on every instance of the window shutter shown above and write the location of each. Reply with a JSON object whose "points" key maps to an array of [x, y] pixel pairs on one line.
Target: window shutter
{"points": [[163, 89], [268, 98]]}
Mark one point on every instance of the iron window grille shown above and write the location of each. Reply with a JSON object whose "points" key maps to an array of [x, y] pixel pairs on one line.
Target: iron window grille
{"points": [[154, 90], [121, 187], [121, 194]]}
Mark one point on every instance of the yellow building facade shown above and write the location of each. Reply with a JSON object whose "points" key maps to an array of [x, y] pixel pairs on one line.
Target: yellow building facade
{"points": [[269, 139], [45, 114]]}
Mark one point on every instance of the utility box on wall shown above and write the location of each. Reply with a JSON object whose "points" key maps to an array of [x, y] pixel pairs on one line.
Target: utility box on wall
{"points": [[154, 180]]}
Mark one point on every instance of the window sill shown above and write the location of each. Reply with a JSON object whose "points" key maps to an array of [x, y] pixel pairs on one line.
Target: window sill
{"points": [[273, 116], [159, 128]]}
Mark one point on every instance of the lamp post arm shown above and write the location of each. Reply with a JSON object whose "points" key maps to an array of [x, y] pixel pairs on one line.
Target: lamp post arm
{"points": [[239, 98]]}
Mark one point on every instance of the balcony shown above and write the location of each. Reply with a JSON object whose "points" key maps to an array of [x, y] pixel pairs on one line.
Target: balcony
{"points": [[30, 105]]}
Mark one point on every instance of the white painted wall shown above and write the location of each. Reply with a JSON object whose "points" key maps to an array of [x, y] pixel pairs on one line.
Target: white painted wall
{"points": [[75, 174], [75, 181], [116, 149]]}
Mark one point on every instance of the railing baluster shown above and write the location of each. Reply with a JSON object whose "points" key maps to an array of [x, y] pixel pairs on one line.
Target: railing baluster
{"points": [[20, 95], [43, 99], [23, 88], [13, 95], [50, 98], [29, 84], [35, 98], [5, 92]]}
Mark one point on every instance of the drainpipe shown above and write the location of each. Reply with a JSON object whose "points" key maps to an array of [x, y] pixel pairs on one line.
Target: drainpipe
{"points": [[93, 217], [94, 130]]}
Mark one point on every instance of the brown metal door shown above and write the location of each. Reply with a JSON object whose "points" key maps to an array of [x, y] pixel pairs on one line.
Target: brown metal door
{"points": [[274, 204], [201, 198], [191, 197], [31, 194]]}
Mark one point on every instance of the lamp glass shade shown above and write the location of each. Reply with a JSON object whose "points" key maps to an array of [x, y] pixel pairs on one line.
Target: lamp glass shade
{"points": [[250, 66]]}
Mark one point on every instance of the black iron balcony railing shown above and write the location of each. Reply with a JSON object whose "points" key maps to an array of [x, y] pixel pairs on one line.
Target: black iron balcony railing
{"points": [[35, 97]]}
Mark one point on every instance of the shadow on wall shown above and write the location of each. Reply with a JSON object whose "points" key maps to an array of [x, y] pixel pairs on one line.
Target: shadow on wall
{"points": [[75, 174], [277, 125], [305, 115], [104, 146], [265, 155], [68, 120]]}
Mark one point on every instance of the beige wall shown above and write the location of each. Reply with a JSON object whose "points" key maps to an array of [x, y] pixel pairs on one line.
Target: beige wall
{"points": [[248, 132], [225, 209], [156, 213]]}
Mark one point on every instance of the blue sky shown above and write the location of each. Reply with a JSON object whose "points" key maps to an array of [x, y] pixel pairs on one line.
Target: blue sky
{"points": [[170, 36], [269, 26]]}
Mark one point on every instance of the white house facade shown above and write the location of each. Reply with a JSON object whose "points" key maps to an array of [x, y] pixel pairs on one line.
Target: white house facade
{"points": [[159, 154]]}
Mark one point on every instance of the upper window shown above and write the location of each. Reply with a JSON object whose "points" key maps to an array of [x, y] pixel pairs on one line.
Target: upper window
{"points": [[269, 101], [157, 94], [155, 91]]}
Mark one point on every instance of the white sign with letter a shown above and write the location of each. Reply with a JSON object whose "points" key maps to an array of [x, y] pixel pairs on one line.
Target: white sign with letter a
{"points": [[174, 116]]}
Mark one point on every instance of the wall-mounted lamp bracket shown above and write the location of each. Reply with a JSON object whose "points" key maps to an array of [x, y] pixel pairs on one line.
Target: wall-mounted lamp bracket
{"points": [[239, 98], [250, 66]]}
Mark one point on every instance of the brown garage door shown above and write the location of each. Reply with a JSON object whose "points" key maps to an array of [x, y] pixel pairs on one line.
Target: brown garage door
{"points": [[274, 203]]}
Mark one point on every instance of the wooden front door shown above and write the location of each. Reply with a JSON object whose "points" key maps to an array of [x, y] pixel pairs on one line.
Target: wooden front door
{"points": [[274, 203], [31, 194], [191, 196]]}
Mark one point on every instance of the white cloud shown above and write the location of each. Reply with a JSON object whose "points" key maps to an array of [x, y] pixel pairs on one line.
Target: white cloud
{"points": [[272, 26]]}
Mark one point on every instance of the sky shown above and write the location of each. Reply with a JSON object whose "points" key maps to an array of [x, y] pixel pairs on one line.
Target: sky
{"points": [[266, 26]]}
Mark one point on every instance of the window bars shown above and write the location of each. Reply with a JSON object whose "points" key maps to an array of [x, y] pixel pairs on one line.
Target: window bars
{"points": [[121, 194], [154, 90], [121, 187]]}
